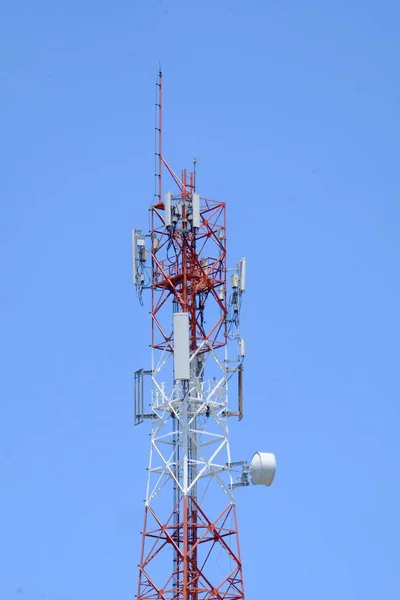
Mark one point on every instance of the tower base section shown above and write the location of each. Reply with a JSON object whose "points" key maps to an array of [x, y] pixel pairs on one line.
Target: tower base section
{"points": [[190, 556]]}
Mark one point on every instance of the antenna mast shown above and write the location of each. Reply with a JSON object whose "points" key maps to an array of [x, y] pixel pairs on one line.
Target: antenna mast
{"points": [[159, 130]]}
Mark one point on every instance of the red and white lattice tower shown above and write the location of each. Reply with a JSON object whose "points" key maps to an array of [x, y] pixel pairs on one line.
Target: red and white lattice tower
{"points": [[190, 543]]}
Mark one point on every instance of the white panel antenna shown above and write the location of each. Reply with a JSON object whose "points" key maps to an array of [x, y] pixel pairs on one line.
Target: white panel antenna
{"points": [[181, 346], [242, 275], [138, 252], [134, 256], [167, 209], [196, 210]]}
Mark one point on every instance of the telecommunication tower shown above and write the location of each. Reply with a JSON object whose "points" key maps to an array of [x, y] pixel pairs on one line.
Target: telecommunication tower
{"points": [[190, 542]]}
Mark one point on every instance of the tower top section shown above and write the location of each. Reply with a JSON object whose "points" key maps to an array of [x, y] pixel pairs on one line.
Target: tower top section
{"points": [[188, 258]]}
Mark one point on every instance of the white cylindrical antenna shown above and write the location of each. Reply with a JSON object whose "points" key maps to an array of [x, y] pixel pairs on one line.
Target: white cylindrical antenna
{"points": [[263, 468], [242, 345]]}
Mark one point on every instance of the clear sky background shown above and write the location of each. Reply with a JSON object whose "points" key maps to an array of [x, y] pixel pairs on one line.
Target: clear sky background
{"points": [[292, 109]]}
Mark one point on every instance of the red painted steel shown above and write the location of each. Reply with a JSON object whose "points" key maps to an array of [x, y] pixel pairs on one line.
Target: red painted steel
{"points": [[195, 575], [178, 274]]}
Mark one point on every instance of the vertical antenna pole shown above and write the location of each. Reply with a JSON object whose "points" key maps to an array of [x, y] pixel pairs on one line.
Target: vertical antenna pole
{"points": [[160, 123]]}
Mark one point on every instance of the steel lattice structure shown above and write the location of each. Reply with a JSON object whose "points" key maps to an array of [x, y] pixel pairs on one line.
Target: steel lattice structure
{"points": [[190, 544]]}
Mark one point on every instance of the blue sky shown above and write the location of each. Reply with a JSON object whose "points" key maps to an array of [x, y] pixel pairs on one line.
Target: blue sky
{"points": [[292, 110]]}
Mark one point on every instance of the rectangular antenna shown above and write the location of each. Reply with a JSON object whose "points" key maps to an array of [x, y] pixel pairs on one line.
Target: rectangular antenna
{"points": [[138, 251], [167, 209], [240, 392], [196, 210], [181, 346], [138, 397], [239, 413], [134, 256], [242, 275]]}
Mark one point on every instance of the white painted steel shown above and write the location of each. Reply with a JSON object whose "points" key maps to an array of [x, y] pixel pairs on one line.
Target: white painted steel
{"points": [[197, 408], [263, 468], [181, 346]]}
